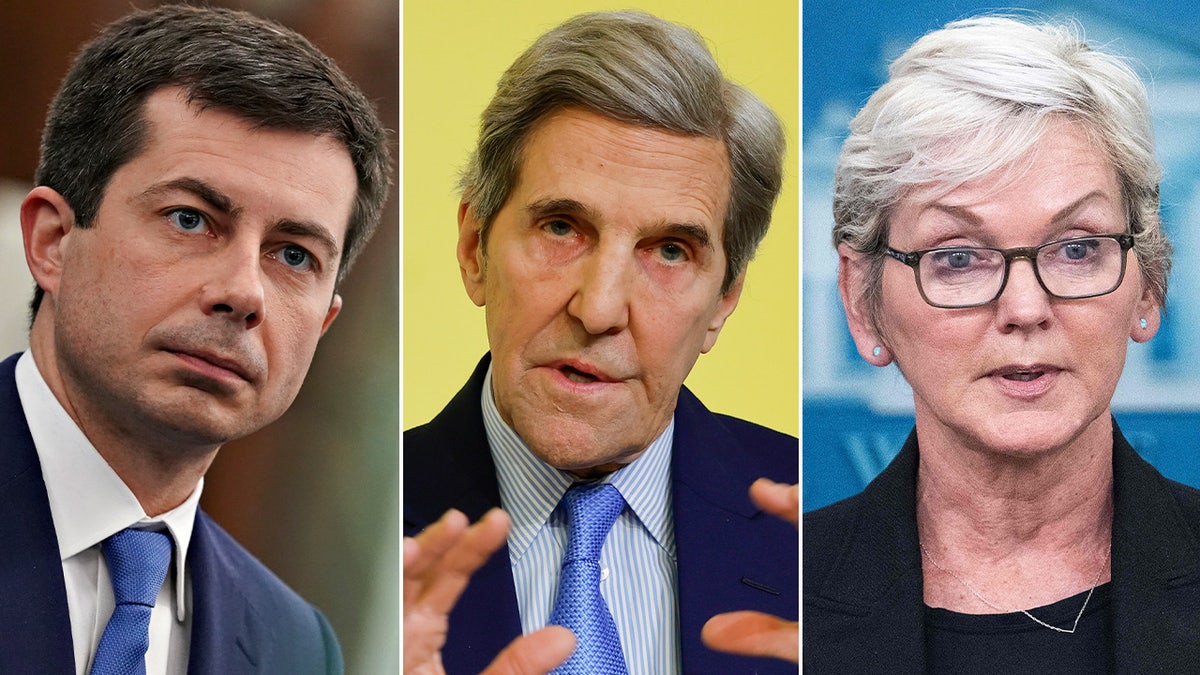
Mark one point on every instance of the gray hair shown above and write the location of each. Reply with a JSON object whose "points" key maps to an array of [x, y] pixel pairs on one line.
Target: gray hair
{"points": [[637, 69], [970, 99]]}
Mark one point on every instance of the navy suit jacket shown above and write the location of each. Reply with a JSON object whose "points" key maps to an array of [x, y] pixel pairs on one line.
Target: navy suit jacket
{"points": [[244, 619], [864, 597], [731, 555]]}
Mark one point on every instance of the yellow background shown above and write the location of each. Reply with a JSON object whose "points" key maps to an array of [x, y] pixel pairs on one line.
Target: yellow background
{"points": [[454, 52]]}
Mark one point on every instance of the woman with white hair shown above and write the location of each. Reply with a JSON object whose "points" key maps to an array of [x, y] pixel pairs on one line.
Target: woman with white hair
{"points": [[996, 220]]}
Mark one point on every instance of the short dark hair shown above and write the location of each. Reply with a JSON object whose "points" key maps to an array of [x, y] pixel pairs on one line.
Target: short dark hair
{"points": [[225, 59], [638, 69]]}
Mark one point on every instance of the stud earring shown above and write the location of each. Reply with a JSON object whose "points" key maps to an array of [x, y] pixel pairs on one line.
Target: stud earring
{"points": [[1141, 322], [879, 350]]}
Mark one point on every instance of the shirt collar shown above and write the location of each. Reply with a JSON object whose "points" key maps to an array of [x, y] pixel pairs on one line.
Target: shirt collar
{"points": [[88, 500], [530, 489]]}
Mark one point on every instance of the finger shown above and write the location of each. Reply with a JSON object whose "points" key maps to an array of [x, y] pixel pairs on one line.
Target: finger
{"points": [[424, 636], [423, 552], [534, 654], [753, 634], [412, 584], [443, 585], [433, 542], [780, 499]]}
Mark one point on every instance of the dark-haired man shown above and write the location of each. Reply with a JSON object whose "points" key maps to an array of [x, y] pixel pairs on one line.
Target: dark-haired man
{"points": [[206, 178]]}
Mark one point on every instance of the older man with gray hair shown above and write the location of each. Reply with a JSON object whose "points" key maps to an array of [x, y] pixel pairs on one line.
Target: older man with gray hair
{"points": [[619, 188]]}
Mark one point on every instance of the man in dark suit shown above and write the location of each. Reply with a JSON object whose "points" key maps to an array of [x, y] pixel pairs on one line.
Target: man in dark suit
{"points": [[206, 179], [618, 190]]}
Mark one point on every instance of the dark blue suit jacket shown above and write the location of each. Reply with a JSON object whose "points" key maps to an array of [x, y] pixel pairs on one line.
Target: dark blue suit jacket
{"points": [[863, 589], [244, 619], [731, 555]]}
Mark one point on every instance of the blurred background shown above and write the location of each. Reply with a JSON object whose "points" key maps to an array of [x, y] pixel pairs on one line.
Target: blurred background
{"points": [[453, 55], [315, 495], [856, 416]]}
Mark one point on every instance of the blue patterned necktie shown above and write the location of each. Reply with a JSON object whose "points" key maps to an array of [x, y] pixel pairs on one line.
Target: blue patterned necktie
{"points": [[137, 561], [591, 510]]}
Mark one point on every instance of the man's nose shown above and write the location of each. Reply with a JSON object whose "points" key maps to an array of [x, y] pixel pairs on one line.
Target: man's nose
{"points": [[601, 299], [235, 286]]}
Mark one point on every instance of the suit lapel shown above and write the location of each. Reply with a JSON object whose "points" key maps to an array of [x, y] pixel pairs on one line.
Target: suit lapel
{"points": [[35, 627], [754, 563], [226, 631], [869, 609], [1156, 569], [447, 464]]}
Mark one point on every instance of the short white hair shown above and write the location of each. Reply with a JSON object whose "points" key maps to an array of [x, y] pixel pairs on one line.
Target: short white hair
{"points": [[970, 99]]}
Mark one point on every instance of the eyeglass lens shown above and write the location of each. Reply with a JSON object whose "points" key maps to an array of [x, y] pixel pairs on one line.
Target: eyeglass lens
{"points": [[1072, 268]]}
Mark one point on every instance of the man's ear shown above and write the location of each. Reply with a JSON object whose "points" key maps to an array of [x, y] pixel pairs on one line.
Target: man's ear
{"points": [[471, 261], [335, 307], [852, 286], [46, 221], [725, 307]]}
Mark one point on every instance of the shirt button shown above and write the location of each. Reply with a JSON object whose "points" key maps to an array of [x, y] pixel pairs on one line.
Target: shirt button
{"points": [[603, 572]]}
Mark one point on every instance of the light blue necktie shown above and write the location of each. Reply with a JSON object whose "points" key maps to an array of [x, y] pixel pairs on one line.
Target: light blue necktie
{"points": [[591, 510], [137, 561]]}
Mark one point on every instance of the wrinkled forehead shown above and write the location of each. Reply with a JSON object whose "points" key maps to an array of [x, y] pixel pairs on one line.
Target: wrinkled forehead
{"points": [[994, 155], [698, 165]]}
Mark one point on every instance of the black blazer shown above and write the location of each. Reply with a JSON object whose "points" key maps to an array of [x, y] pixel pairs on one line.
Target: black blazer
{"points": [[863, 594], [244, 619], [731, 555]]}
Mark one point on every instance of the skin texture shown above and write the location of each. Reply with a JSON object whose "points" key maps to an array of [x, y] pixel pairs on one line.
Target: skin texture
{"points": [[188, 313], [951, 357], [601, 281], [1012, 398]]}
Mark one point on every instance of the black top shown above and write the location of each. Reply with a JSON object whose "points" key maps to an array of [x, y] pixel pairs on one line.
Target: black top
{"points": [[863, 586], [1013, 643]]}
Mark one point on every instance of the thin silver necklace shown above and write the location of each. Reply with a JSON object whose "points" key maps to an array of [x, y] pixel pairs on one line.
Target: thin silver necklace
{"points": [[1036, 620]]}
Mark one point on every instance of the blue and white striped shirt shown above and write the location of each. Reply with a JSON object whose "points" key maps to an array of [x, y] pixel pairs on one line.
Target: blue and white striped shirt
{"points": [[638, 575]]}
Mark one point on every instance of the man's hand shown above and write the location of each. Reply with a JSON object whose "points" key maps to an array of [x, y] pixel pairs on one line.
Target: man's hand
{"points": [[756, 633], [777, 499], [438, 563]]}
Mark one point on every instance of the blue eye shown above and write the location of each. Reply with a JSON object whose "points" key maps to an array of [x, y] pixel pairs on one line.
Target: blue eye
{"points": [[672, 252], [1079, 249], [559, 228], [958, 259], [295, 257], [188, 220]]}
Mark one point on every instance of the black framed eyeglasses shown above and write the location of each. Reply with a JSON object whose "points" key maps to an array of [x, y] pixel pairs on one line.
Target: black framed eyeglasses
{"points": [[957, 277]]}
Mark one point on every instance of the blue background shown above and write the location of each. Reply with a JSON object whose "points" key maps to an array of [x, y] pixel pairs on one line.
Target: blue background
{"points": [[855, 416]]}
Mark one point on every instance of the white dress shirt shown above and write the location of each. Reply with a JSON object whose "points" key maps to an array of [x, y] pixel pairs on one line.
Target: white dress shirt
{"points": [[637, 564], [88, 503]]}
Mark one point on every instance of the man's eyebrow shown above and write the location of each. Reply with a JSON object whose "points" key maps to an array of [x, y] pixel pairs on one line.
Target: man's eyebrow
{"points": [[696, 233], [549, 207], [700, 235], [224, 204], [212, 196]]}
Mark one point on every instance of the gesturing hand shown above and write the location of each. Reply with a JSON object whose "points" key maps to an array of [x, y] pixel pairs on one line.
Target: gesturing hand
{"points": [[756, 633], [438, 563]]}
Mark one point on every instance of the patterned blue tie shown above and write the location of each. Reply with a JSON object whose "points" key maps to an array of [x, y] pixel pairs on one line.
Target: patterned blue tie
{"points": [[137, 561], [591, 510]]}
